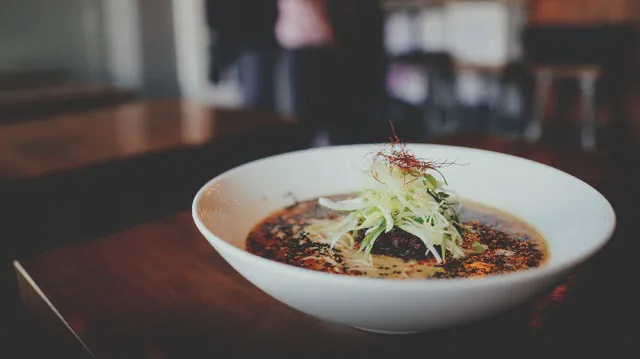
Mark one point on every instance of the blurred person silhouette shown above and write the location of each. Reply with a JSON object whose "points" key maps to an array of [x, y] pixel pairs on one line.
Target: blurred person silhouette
{"points": [[336, 64], [359, 29], [242, 33]]}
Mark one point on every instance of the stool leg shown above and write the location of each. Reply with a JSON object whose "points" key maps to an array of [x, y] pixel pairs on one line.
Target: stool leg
{"points": [[588, 132], [432, 116], [495, 102], [533, 131], [444, 92]]}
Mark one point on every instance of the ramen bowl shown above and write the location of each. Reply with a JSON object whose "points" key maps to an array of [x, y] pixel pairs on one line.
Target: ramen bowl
{"points": [[575, 220]]}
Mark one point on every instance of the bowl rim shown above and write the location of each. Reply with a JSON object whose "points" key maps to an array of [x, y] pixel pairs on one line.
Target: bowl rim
{"points": [[409, 283]]}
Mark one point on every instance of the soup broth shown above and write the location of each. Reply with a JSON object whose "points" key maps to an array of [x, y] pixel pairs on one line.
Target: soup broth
{"points": [[497, 243]]}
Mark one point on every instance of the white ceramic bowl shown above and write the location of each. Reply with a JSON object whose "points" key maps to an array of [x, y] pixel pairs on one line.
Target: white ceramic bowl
{"points": [[574, 218]]}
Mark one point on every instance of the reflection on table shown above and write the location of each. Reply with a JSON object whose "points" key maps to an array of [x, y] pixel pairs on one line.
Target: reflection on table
{"points": [[36, 148]]}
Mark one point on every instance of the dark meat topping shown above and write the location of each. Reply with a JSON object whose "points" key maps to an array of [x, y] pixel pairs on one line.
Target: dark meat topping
{"points": [[397, 243]]}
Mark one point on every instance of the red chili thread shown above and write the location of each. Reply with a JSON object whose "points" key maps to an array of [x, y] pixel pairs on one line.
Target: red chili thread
{"points": [[397, 155]]}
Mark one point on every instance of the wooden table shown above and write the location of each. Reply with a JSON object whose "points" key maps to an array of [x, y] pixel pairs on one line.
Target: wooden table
{"points": [[102, 167], [26, 103], [66, 142], [161, 291]]}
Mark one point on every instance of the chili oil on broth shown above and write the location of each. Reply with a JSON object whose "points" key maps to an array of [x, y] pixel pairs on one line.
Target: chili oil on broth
{"points": [[288, 236]]}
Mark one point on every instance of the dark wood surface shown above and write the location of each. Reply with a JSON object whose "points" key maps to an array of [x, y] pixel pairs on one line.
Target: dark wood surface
{"points": [[71, 166], [105, 168], [77, 140], [27, 103], [160, 291]]}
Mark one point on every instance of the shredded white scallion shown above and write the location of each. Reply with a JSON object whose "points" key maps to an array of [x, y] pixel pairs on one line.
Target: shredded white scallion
{"points": [[391, 198]]}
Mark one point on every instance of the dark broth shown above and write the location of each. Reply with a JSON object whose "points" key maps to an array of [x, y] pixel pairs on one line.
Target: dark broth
{"points": [[510, 245]]}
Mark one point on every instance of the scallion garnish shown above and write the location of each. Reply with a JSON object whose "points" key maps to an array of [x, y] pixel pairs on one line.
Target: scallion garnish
{"points": [[477, 247], [401, 192]]}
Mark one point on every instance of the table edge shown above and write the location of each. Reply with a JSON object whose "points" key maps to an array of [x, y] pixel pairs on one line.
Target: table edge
{"points": [[21, 272]]}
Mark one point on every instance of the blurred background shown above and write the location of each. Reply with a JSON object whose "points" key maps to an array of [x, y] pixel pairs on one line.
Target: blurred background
{"points": [[114, 112], [431, 66]]}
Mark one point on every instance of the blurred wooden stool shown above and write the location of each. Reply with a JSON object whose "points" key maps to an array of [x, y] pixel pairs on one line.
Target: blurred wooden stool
{"points": [[587, 77]]}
